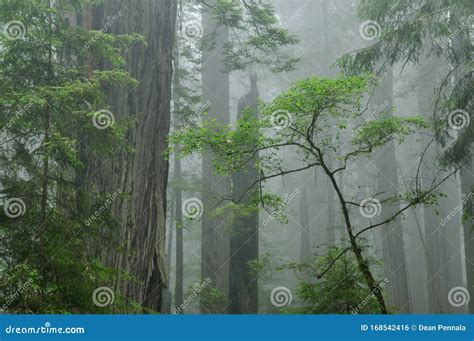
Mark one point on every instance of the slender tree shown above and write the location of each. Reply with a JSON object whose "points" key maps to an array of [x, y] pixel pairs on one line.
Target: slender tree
{"points": [[315, 105]]}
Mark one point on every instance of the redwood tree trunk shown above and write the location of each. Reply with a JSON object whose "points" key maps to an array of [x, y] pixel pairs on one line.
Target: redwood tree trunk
{"points": [[178, 217], [143, 174], [392, 233]]}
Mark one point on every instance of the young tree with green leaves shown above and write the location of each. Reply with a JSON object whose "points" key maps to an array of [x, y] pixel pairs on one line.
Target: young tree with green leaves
{"points": [[341, 291], [298, 122]]}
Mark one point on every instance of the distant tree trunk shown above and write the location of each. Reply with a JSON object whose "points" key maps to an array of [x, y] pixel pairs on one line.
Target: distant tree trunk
{"points": [[215, 93], [243, 284], [330, 234], [392, 233], [144, 175], [177, 190], [442, 247], [178, 218], [305, 250]]}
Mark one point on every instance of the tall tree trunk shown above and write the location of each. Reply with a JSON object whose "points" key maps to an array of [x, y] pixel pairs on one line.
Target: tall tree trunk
{"points": [[392, 233], [178, 218], [215, 92], [439, 242], [243, 284], [145, 173]]}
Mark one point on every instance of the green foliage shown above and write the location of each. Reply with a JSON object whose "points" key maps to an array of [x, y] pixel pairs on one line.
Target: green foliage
{"points": [[255, 38], [411, 32], [51, 109], [261, 268], [311, 123], [342, 290], [213, 301], [301, 122]]}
